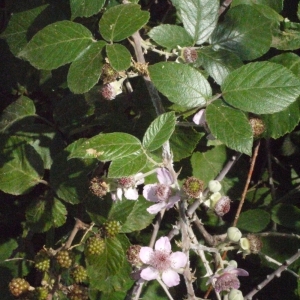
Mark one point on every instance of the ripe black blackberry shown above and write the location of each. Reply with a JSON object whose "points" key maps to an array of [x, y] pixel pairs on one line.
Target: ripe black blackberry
{"points": [[65, 258], [112, 228], [42, 261], [18, 287], [79, 274], [95, 245]]}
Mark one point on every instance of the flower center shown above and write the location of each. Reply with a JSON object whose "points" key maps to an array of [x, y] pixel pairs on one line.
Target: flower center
{"points": [[160, 260], [126, 182], [163, 192], [226, 282]]}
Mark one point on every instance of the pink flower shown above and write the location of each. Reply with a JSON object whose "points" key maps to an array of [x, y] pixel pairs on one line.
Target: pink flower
{"points": [[162, 262], [127, 186], [227, 278], [161, 193]]}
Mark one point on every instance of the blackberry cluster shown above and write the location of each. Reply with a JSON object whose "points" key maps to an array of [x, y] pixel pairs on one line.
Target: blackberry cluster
{"points": [[40, 293], [42, 261], [65, 258], [112, 228], [18, 287], [79, 274], [95, 245], [78, 293]]}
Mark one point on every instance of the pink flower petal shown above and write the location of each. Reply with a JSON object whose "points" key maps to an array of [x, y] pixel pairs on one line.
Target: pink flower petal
{"points": [[164, 176], [163, 244], [172, 201], [131, 194], [170, 278], [149, 192], [119, 193], [179, 260], [235, 271], [145, 254], [141, 180], [154, 209], [149, 273], [199, 117]]}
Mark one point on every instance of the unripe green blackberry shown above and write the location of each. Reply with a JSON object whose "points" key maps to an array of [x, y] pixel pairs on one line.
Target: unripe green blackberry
{"points": [[40, 293], [79, 274], [112, 228], [42, 261], [18, 287], [78, 293], [65, 258], [95, 245]]}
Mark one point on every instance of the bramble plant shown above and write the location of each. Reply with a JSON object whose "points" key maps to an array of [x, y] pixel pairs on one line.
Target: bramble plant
{"points": [[150, 149]]}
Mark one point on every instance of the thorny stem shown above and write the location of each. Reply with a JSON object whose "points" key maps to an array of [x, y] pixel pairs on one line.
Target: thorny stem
{"points": [[225, 4], [270, 277], [253, 161]]}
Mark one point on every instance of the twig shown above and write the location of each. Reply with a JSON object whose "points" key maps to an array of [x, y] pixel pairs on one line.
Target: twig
{"points": [[270, 277], [225, 4], [253, 161], [165, 289]]}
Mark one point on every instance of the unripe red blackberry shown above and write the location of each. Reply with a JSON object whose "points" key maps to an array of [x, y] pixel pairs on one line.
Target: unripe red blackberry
{"points": [[222, 207], [112, 228], [189, 55], [40, 293], [18, 287], [42, 260], [95, 245], [79, 274], [78, 293], [65, 258]]}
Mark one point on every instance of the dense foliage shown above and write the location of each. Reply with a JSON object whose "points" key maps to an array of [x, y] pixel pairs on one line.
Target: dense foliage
{"points": [[130, 128]]}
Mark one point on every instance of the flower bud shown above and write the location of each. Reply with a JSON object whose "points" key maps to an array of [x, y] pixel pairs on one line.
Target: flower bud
{"points": [[245, 245], [214, 198], [235, 295], [222, 206], [232, 263], [234, 234], [214, 186]]}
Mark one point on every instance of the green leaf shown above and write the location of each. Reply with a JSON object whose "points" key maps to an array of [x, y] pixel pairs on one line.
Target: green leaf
{"points": [[286, 215], [69, 178], [132, 214], [85, 8], [85, 71], [21, 108], [107, 147], [43, 214], [110, 270], [261, 88], [44, 139], [7, 248], [119, 57], [57, 44], [18, 26], [159, 131], [288, 38], [277, 5], [127, 166], [199, 18], [219, 63], [183, 142], [289, 60], [170, 36], [253, 220], [21, 167], [230, 126], [207, 165], [244, 32], [181, 84], [121, 21]]}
